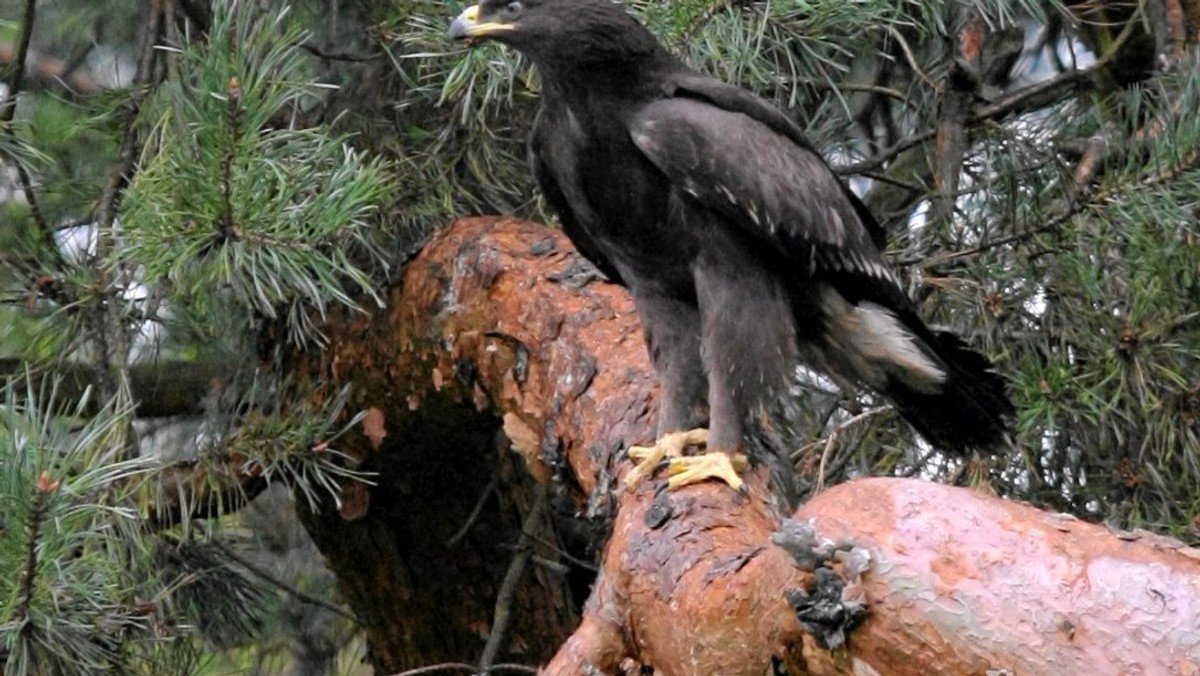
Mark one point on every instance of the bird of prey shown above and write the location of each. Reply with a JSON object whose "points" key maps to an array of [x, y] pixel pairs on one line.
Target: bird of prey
{"points": [[743, 252]]}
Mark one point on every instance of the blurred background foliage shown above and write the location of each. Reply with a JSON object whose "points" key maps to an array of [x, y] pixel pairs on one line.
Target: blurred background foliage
{"points": [[199, 206]]}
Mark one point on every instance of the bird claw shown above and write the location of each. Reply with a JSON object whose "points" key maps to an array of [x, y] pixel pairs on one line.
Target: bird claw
{"points": [[669, 445], [685, 470], [714, 465]]}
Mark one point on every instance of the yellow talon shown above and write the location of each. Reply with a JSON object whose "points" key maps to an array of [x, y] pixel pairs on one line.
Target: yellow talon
{"points": [[682, 469], [715, 465], [670, 445]]}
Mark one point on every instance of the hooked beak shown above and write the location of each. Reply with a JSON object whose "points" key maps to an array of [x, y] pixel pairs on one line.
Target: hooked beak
{"points": [[467, 25]]}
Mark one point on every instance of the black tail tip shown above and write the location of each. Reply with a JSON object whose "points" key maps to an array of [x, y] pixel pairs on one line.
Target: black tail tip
{"points": [[973, 411]]}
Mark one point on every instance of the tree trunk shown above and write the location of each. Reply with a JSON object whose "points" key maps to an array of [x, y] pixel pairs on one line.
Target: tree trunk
{"points": [[464, 551], [495, 327]]}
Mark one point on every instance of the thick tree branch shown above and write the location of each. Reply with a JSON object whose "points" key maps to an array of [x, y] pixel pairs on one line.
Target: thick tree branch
{"points": [[1001, 585], [160, 389], [502, 317]]}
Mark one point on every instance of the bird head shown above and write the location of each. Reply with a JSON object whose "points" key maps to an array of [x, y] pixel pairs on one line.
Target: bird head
{"points": [[558, 33], [491, 19]]}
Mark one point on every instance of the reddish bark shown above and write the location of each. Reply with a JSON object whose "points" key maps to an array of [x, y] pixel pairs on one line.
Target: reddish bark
{"points": [[960, 583], [964, 583], [487, 320], [701, 594], [490, 329]]}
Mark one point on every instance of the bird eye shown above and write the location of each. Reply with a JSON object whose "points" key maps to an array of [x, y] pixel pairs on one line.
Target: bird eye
{"points": [[513, 7]]}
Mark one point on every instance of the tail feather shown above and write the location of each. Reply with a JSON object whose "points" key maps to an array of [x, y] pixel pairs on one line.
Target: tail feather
{"points": [[971, 410], [946, 390]]}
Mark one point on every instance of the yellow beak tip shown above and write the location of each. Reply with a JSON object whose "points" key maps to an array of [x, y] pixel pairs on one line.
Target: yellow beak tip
{"points": [[467, 25]]}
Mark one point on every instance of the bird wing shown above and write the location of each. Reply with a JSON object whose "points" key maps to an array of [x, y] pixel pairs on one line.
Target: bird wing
{"points": [[738, 100], [777, 188]]}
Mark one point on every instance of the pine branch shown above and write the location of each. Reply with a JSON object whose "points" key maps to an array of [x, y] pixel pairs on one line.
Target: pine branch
{"points": [[886, 155], [1029, 98], [15, 77], [159, 389], [109, 322], [288, 589], [42, 490], [227, 230], [1033, 97], [911, 58], [110, 197], [192, 490], [349, 57], [958, 92]]}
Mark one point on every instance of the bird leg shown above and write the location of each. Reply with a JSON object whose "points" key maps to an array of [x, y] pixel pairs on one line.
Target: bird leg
{"points": [[685, 470]]}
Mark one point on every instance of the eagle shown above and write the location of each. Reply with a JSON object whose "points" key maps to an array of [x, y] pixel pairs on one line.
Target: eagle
{"points": [[744, 253]]}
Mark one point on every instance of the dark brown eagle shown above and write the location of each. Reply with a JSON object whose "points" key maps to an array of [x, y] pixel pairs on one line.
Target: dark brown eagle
{"points": [[744, 253]]}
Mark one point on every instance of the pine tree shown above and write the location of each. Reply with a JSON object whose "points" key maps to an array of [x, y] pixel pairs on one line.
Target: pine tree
{"points": [[228, 215], [210, 226]]}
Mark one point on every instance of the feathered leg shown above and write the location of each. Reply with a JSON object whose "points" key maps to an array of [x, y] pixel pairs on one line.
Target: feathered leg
{"points": [[748, 345], [672, 327]]}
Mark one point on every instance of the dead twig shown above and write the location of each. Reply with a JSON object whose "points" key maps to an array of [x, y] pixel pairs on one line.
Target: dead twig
{"points": [[558, 550], [912, 58], [339, 56], [831, 441], [474, 516], [508, 588]]}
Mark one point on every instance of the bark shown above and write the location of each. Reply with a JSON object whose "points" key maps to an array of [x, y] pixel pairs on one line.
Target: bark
{"points": [[495, 327], [966, 583], [499, 326]]}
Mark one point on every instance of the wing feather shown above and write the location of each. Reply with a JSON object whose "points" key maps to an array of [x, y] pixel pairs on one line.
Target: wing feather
{"points": [[761, 180], [737, 100]]}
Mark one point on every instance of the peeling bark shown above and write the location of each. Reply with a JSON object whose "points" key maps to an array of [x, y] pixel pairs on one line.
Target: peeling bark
{"points": [[959, 583], [964, 583], [499, 326]]}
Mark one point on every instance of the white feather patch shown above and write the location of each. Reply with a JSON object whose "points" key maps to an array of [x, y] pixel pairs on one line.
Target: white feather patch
{"points": [[884, 337], [874, 344], [838, 229]]}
